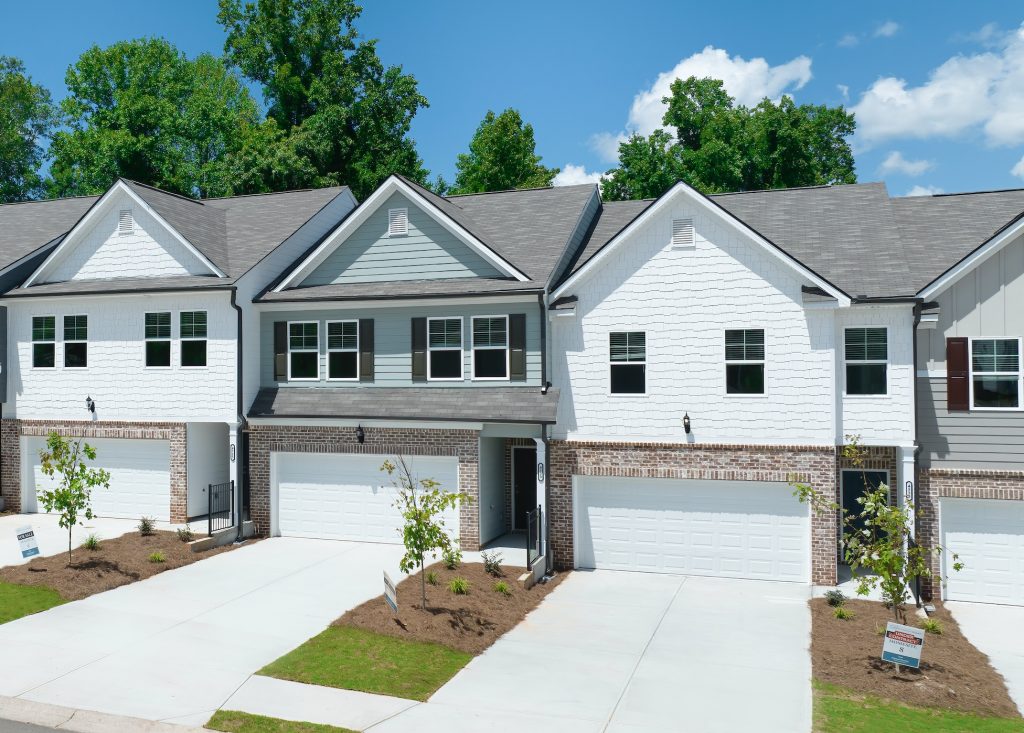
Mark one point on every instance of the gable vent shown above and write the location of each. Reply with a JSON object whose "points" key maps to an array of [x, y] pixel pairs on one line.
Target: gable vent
{"points": [[125, 222], [398, 222], [682, 233]]}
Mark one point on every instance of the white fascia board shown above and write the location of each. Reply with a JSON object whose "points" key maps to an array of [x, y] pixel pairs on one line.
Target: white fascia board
{"points": [[100, 207], [711, 208], [349, 423], [291, 305], [968, 263], [368, 207]]}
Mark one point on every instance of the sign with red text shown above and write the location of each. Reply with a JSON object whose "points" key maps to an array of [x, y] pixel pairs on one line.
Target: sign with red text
{"points": [[902, 645]]}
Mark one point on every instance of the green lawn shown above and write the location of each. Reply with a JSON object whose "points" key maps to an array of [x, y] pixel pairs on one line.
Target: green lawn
{"points": [[354, 659], [837, 710], [235, 722], [21, 600]]}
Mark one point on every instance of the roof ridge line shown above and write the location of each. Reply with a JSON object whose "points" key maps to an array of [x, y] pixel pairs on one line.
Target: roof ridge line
{"points": [[517, 190], [47, 201]]}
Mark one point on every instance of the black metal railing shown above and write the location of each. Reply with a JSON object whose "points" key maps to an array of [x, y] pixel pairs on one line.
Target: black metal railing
{"points": [[533, 546], [221, 498]]}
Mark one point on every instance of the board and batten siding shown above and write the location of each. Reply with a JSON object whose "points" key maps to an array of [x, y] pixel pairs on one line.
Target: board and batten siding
{"points": [[987, 302], [393, 342], [428, 252]]}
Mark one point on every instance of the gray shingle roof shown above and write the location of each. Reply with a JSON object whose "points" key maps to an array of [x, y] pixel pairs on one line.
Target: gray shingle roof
{"points": [[612, 218], [481, 404], [25, 227], [122, 285]]}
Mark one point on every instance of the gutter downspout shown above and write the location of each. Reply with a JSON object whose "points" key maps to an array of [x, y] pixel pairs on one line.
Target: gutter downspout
{"points": [[241, 456], [542, 302], [918, 307]]}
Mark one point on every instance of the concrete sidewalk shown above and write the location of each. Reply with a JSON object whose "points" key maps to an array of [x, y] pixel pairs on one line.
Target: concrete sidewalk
{"points": [[996, 631]]}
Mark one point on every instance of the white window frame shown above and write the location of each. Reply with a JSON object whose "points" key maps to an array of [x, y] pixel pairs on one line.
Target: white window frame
{"points": [[65, 341], [327, 339], [461, 350], [888, 372], [303, 351], [609, 362], [402, 211], [764, 363], [1020, 374], [473, 347], [169, 339], [32, 355], [182, 339]]}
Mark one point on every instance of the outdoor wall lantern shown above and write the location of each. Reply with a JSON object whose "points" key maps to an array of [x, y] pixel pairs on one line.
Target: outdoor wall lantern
{"points": [[686, 423], [360, 434], [90, 405]]}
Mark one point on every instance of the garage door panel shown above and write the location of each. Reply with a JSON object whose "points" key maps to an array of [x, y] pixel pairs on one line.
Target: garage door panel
{"points": [[732, 529], [988, 536]]}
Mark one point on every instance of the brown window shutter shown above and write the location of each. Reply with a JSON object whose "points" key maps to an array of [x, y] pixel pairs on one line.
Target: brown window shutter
{"points": [[365, 349], [517, 347], [958, 374], [280, 351], [419, 349]]}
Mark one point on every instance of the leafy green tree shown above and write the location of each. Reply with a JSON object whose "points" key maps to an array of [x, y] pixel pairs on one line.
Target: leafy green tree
{"points": [[347, 115], [71, 498], [502, 156], [140, 109], [648, 166], [27, 117], [422, 503]]}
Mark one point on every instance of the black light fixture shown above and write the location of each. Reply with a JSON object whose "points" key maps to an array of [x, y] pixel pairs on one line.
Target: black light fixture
{"points": [[360, 434], [686, 423], [90, 405]]}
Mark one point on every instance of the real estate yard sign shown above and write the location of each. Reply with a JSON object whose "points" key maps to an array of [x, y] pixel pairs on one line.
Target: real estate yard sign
{"points": [[390, 592], [902, 645], [27, 542]]}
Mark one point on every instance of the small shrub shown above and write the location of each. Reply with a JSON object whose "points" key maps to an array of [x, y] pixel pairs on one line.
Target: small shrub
{"points": [[157, 557], [92, 542], [185, 534], [492, 563], [843, 614], [432, 578], [452, 556], [835, 598], [931, 626], [502, 587], [147, 526], [459, 586]]}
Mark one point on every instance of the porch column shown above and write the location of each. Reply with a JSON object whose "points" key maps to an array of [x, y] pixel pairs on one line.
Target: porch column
{"points": [[542, 491], [906, 488], [234, 461]]}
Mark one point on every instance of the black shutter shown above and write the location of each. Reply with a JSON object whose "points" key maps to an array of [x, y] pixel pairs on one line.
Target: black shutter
{"points": [[280, 351], [366, 350], [957, 374], [517, 347], [419, 349]]}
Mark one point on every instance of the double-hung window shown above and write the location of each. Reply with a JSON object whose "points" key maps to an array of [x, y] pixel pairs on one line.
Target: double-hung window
{"points": [[744, 361], [193, 338], [158, 339], [444, 347], [867, 356], [304, 350], [76, 341], [490, 347], [627, 356], [343, 350], [44, 335], [996, 373]]}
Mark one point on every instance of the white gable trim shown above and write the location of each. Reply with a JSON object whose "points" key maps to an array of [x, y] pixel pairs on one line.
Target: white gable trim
{"points": [[362, 213], [705, 204], [95, 212], [971, 261]]}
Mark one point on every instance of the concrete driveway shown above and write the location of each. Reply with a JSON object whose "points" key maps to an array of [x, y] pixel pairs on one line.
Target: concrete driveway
{"points": [[176, 646], [996, 631]]}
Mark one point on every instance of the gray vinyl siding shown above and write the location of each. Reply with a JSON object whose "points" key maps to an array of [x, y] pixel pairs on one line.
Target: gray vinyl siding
{"points": [[393, 339], [428, 252]]}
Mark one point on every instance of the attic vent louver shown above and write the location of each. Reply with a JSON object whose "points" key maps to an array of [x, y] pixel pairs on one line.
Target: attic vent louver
{"points": [[682, 233], [398, 222], [125, 222]]}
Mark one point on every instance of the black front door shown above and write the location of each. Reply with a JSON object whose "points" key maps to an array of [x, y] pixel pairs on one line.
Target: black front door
{"points": [[524, 484], [854, 487]]}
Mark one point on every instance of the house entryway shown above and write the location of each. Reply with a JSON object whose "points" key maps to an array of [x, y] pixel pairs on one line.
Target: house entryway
{"points": [[509, 493], [524, 485]]}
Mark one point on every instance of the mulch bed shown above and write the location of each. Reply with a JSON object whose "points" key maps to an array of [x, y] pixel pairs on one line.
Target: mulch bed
{"points": [[954, 675], [117, 562], [469, 623]]}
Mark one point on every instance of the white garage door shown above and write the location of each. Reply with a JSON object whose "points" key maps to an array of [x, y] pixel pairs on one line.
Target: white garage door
{"points": [[738, 529], [348, 497], [988, 535], [140, 477]]}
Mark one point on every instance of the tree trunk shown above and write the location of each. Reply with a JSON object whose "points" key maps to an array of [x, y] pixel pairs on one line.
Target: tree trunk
{"points": [[423, 584], [69, 547]]}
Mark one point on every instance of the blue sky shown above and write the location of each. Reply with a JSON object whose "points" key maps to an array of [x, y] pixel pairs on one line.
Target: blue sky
{"points": [[938, 87]]}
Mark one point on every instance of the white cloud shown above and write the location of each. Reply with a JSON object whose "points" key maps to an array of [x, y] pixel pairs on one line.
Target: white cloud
{"points": [[987, 35], [896, 163], [848, 41], [924, 191], [748, 81], [845, 91], [888, 29], [983, 92], [573, 175], [1018, 170]]}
